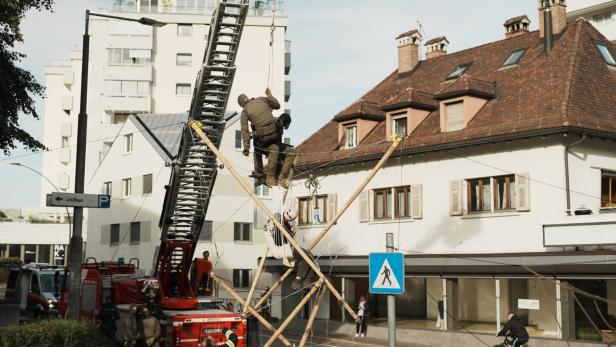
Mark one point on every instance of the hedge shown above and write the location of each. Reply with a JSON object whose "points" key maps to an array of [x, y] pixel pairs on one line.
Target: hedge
{"points": [[54, 333]]}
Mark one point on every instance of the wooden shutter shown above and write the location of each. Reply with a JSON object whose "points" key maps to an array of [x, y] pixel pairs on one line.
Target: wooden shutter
{"points": [[364, 206], [522, 188], [332, 206], [416, 201], [105, 234], [455, 198]]}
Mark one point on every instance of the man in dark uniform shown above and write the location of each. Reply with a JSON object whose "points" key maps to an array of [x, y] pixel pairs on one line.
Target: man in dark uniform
{"points": [[514, 328], [267, 133]]}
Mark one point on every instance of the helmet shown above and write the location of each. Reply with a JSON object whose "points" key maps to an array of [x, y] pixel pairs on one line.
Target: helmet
{"points": [[242, 99], [290, 214]]}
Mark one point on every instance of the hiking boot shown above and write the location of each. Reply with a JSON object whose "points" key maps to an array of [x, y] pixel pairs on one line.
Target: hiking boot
{"points": [[259, 181], [271, 181], [284, 183], [297, 284]]}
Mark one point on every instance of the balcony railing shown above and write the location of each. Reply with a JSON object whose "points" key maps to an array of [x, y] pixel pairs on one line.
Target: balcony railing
{"points": [[257, 8]]}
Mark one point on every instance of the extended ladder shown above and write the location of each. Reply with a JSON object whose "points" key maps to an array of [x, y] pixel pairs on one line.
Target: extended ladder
{"points": [[194, 174]]}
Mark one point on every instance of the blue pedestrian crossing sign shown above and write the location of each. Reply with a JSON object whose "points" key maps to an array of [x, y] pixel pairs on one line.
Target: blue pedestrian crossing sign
{"points": [[386, 273]]}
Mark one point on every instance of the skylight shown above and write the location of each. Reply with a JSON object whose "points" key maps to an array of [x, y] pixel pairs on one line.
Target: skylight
{"points": [[458, 71], [514, 57], [606, 54]]}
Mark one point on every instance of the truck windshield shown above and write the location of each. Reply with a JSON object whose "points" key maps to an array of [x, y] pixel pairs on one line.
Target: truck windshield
{"points": [[46, 282]]}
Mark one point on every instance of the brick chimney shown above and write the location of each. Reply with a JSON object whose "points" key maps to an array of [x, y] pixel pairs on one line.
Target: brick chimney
{"points": [[559, 18], [516, 26], [408, 50], [436, 47]]}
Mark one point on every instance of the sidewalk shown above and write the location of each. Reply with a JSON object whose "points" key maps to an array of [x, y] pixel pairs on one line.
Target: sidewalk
{"points": [[338, 340]]}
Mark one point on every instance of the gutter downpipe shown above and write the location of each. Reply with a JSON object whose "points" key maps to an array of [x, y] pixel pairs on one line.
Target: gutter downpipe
{"points": [[547, 27], [567, 189]]}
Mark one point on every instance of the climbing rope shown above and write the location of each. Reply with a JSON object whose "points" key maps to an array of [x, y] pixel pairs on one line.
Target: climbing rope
{"points": [[271, 43]]}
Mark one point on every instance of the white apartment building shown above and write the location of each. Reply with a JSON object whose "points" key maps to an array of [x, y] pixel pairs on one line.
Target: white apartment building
{"points": [[601, 13], [507, 161]]}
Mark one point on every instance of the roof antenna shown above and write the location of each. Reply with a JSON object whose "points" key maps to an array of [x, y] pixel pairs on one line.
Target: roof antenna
{"points": [[422, 32]]}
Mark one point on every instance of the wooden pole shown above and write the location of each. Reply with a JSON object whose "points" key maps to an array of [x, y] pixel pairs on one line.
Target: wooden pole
{"points": [[313, 316], [197, 128], [294, 313], [329, 225], [255, 281], [239, 299]]}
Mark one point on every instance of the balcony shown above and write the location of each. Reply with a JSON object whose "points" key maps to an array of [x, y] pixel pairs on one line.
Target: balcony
{"points": [[287, 91], [66, 129], [127, 103], [65, 155], [68, 77], [67, 103], [590, 230], [287, 57], [128, 72], [261, 8]]}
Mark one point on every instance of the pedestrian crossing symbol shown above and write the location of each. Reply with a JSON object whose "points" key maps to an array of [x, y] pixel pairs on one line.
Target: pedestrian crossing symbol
{"points": [[386, 273]]}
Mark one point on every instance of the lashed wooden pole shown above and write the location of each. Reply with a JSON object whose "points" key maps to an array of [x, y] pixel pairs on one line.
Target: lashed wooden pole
{"points": [[239, 299], [197, 128], [294, 313], [313, 316], [329, 225], [255, 280]]}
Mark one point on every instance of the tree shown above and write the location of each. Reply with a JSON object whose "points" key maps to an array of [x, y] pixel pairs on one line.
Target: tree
{"points": [[17, 86]]}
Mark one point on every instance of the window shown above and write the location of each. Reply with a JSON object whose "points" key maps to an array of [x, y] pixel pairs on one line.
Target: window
{"points": [[128, 143], [15, 251], [479, 195], [207, 231], [313, 210], [455, 116], [107, 188], [182, 89], [350, 136], [514, 57], [102, 154], [126, 187], [120, 118], [241, 278], [185, 29], [135, 232], [238, 139], [608, 189], [126, 56], [147, 184], [242, 231], [30, 255], [602, 18], [382, 203], [458, 71], [402, 202], [263, 191], [44, 253], [607, 56], [130, 88], [114, 235], [504, 192], [65, 142], [399, 125], [183, 59]]}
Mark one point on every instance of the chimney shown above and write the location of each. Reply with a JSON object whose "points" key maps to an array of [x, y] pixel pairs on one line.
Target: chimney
{"points": [[516, 26], [408, 50], [558, 10], [436, 47]]}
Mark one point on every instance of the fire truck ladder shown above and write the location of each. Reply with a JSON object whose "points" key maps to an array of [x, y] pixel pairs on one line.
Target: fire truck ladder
{"points": [[194, 173]]}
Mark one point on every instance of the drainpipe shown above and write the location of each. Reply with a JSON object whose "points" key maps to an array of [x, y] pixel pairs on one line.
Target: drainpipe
{"points": [[567, 148], [547, 27]]}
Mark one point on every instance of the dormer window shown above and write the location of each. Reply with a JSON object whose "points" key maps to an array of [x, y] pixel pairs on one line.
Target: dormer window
{"points": [[399, 124], [459, 71], [350, 136], [607, 56], [514, 57], [455, 116]]}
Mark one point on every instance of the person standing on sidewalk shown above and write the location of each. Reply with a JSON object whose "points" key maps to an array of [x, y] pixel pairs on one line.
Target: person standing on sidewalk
{"points": [[362, 320]]}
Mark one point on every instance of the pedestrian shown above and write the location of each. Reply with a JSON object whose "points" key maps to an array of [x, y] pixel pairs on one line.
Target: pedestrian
{"points": [[440, 314], [151, 328], [515, 329], [362, 314], [130, 332], [232, 339]]}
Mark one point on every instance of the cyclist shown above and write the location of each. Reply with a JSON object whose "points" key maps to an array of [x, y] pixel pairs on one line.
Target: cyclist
{"points": [[515, 329]]}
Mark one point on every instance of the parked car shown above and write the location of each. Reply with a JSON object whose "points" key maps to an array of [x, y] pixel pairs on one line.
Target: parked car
{"points": [[37, 288]]}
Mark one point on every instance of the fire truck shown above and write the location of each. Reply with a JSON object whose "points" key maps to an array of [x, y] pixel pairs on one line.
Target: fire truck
{"points": [[108, 288]]}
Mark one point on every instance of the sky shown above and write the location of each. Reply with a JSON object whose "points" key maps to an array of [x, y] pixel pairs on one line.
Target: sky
{"points": [[340, 49]]}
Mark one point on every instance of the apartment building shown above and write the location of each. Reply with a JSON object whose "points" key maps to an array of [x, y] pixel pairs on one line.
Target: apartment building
{"points": [[507, 164], [600, 13]]}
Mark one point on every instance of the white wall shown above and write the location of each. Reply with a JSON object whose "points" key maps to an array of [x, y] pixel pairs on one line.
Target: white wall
{"points": [[588, 9]]}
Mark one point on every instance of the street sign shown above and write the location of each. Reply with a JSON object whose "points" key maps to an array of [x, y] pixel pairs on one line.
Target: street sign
{"points": [[386, 273], [528, 304], [58, 199]]}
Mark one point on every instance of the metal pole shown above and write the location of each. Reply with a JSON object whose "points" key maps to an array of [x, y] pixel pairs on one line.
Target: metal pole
{"points": [[76, 244], [498, 313], [559, 310], [391, 300]]}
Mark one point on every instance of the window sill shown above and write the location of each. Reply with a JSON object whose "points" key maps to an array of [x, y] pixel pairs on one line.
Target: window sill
{"points": [[114, 244], [247, 243], [607, 209], [133, 243], [474, 215], [390, 221], [611, 67], [507, 67]]}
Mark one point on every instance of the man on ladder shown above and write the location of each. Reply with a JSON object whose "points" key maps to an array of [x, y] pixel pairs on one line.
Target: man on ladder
{"points": [[267, 136]]}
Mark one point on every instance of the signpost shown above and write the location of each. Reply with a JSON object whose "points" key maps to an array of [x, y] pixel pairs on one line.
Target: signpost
{"points": [[57, 199]]}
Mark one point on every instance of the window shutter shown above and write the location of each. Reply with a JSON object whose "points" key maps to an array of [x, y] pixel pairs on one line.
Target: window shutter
{"points": [[116, 189], [237, 231], [332, 206], [146, 231], [105, 234], [137, 186], [455, 198], [522, 191], [416, 207], [364, 206]]}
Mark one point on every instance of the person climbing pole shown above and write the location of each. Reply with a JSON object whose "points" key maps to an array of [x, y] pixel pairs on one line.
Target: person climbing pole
{"points": [[267, 136]]}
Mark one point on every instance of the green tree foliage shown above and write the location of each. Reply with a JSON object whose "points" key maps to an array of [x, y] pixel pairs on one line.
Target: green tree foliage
{"points": [[54, 333], [17, 85]]}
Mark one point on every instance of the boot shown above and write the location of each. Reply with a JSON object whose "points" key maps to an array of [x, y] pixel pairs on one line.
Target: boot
{"points": [[297, 283], [283, 182], [271, 181], [259, 181]]}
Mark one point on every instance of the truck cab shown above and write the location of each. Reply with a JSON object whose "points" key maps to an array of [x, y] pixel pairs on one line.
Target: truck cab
{"points": [[36, 287]]}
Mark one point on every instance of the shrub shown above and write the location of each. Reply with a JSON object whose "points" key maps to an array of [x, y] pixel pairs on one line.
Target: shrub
{"points": [[54, 333]]}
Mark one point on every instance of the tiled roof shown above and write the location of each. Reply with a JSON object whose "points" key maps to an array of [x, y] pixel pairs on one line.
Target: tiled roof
{"points": [[435, 40], [411, 98], [408, 33], [515, 20], [361, 109], [467, 85], [570, 89]]}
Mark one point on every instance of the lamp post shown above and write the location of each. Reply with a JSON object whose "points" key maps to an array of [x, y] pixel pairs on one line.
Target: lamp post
{"points": [[76, 243]]}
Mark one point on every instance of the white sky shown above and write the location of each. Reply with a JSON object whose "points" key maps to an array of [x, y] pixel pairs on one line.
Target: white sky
{"points": [[340, 49]]}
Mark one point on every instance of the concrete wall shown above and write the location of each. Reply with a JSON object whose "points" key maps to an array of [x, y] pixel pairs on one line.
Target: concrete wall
{"points": [[588, 9]]}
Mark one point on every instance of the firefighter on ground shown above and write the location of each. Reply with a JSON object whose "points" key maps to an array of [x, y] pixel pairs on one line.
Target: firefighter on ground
{"points": [[230, 336], [151, 328], [267, 136]]}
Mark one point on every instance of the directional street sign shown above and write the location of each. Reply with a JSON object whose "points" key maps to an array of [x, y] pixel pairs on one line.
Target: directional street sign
{"points": [[386, 273], [78, 200]]}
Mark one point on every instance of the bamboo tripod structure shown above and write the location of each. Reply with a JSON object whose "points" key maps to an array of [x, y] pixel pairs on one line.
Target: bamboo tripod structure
{"points": [[197, 128]]}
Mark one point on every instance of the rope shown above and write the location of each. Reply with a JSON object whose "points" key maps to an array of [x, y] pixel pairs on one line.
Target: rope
{"points": [[271, 43]]}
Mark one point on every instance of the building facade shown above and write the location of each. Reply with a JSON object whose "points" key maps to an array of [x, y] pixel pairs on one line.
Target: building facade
{"points": [[500, 195], [601, 13]]}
